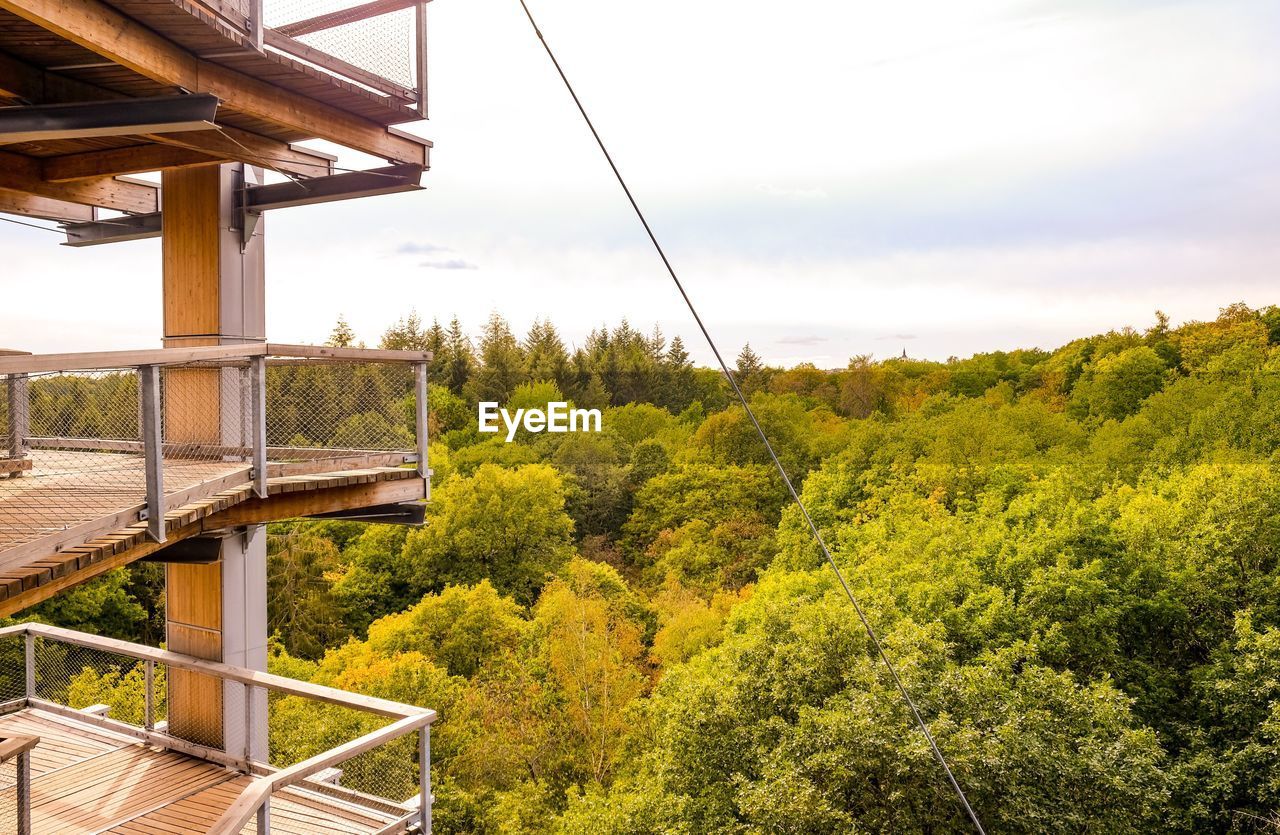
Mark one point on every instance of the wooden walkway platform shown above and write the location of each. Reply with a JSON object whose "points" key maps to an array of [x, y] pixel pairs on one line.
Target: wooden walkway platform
{"points": [[99, 534], [68, 488], [87, 780]]}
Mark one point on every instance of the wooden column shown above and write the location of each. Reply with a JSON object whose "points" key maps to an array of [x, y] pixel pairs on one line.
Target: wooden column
{"points": [[213, 294]]}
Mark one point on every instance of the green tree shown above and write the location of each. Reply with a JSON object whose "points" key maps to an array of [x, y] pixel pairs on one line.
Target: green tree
{"points": [[301, 607], [545, 356], [748, 369], [789, 725], [1114, 386], [342, 335], [502, 363], [509, 526], [407, 334]]}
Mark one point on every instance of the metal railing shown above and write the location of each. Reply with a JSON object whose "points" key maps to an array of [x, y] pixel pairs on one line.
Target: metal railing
{"points": [[353, 749], [380, 45], [15, 774], [92, 443]]}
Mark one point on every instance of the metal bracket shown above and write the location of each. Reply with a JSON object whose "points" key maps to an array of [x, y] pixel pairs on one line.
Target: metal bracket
{"points": [[113, 230]]}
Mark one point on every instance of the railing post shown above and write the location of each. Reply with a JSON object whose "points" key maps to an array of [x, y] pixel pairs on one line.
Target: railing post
{"points": [[258, 371], [30, 641], [24, 793], [149, 715], [420, 31], [420, 421], [424, 781], [19, 418], [248, 728], [153, 450], [255, 23], [264, 816]]}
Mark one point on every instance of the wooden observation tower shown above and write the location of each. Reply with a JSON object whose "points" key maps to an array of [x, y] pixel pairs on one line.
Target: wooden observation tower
{"points": [[181, 453]]}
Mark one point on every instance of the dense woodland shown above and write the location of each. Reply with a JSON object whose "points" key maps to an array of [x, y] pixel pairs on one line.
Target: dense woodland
{"points": [[1073, 557]]}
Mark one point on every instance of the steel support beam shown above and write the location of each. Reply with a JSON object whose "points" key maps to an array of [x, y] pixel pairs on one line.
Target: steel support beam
{"points": [[120, 117], [258, 423], [254, 200], [390, 179], [195, 550], [409, 513], [114, 230]]}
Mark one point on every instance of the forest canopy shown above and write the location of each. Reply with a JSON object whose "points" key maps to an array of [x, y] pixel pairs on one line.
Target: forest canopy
{"points": [[1072, 556]]}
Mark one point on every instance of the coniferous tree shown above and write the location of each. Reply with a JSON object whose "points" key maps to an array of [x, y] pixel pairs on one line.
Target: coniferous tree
{"points": [[342, 336], [502, 362], [461, 361], [750, 369], [592, 359], [438, 345], [679, 384], [546, 357], [632, 367], [406, 334]]}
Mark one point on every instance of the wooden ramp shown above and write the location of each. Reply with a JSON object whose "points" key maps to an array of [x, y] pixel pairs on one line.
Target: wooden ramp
{"points": [[68, 490], [86, 780], [113, 539]]}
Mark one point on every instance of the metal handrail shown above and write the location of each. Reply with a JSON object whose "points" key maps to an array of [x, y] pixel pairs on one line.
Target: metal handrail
{"points": [[99, 360], [242, 675]]}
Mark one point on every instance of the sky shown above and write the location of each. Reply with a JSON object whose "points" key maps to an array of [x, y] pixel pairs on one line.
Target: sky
{"points": [[829, 178]]}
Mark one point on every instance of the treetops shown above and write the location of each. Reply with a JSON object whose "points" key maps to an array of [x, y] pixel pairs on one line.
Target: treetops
{"points": [[1072, 556]]}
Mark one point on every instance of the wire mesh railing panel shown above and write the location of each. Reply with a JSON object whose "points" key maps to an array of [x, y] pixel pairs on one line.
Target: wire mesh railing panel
{"points": [[87, 456], [301, 728], [383, 44], [81, 677], [13, 683], [9, 795], [338, 406], [206, 418], [388, 771], [79, 437]]}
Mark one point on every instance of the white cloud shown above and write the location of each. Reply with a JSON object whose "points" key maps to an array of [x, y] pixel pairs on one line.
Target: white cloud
{"points": [[981, 174]]}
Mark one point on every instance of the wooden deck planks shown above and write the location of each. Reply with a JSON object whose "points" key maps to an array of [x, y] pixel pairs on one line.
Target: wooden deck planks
{"points": [[67, 488], [86, 780], [59, 745]]}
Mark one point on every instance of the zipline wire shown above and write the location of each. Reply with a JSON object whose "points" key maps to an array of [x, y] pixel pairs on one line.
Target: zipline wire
{"points": [[31, 225], [782, 471]]}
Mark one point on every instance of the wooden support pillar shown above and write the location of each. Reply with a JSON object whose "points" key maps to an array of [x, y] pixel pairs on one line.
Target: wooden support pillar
{"points": [[213, 294]]}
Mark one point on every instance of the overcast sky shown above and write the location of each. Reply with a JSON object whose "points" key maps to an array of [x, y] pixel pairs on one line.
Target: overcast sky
{"points": [[831, 178]]}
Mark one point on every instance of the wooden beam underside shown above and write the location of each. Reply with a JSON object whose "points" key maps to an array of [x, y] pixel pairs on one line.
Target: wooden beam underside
{"points": [[251, 148], [96, 26], [30, 205], [132, 160], [22, 80], [24, 174]]}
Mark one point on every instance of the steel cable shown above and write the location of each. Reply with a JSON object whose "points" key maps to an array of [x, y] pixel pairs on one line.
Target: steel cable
{"points": [[782, 471]]}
